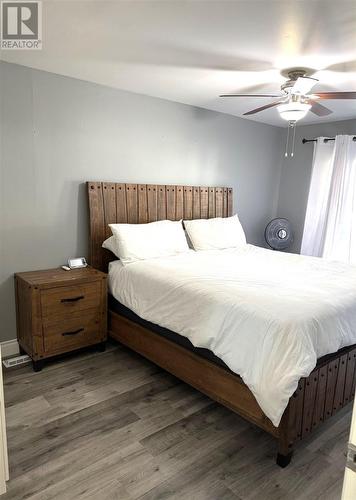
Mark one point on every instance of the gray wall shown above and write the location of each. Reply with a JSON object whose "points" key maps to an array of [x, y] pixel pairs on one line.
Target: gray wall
{"points": [[296, 173], [58, 132]]}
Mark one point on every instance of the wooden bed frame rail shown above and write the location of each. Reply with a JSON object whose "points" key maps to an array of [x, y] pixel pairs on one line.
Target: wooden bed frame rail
{"points": [[329, 387]]}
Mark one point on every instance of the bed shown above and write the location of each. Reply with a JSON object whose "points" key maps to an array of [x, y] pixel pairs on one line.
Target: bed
{"points": [[329, 387]]}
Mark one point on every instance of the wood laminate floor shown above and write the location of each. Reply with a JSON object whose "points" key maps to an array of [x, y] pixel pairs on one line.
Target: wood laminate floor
{"points": [[112, 425]]}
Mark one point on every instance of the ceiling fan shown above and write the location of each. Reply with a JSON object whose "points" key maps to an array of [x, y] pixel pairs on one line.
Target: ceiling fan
{"points": [[294, 100]]}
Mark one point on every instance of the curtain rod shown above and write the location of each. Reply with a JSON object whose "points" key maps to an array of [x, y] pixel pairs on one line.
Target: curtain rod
{"points": [[304, 141]]}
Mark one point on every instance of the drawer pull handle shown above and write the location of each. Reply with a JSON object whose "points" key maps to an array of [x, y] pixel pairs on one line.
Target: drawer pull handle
{"points": [[73, 299], [75, 332]]}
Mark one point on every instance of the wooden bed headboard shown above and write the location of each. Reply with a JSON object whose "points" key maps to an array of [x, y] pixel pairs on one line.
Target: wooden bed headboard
{"points": [[111, 202]]}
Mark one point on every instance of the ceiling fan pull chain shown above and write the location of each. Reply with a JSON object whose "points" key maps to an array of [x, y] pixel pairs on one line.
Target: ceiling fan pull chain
{"points": [[294, 125], [286, 153]]}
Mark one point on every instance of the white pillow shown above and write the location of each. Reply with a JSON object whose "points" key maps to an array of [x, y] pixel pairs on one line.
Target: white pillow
{"points": [[148, 241], [214, 234], [110, 244]]}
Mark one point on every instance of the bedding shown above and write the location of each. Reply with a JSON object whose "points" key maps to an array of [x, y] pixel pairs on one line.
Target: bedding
{"points": [[215, 234], [147, 241], [267, 315], [111, 244]]}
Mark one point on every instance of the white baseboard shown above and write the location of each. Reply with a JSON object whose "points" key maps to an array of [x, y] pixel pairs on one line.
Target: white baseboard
{"points": [[9, 348]]}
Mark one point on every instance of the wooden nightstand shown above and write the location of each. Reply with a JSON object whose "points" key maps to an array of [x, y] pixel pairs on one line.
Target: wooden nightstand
{"points": [[60, 311]]}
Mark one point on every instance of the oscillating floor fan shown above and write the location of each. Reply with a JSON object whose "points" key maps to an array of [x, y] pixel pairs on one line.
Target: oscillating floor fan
{"points": [[279, 234]]}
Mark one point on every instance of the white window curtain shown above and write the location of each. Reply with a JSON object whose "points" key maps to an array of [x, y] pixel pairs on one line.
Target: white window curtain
{"points": [[330, 223]]}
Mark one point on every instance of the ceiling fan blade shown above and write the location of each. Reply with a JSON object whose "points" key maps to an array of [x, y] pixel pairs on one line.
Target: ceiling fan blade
{"points": [[335, 95], [345, 67], [250, 95], [319, 109], [303, 84], [262, 108]]}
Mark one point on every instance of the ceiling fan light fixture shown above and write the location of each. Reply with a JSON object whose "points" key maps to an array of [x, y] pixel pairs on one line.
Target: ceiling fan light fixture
{"points": [[293, 111]]}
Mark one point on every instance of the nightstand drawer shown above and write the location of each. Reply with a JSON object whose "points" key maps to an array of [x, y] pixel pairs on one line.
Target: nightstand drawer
{"points": [[70, 298], [77, 331]]}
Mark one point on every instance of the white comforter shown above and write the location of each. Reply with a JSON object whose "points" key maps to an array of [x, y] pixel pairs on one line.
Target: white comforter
{"points": [[267, 315]]}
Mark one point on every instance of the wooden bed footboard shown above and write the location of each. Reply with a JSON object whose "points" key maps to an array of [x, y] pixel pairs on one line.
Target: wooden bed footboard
{"points": [[328, 388]]}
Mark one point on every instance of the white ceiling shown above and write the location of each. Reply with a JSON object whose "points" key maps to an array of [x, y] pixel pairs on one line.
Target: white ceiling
{"points": [[192, 51]]}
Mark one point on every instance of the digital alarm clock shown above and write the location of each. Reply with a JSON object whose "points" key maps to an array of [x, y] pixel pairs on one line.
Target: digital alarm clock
{"points": [[77, 262]]}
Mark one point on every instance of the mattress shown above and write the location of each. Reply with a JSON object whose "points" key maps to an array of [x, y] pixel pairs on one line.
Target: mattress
{"points": [[267, 315]]}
